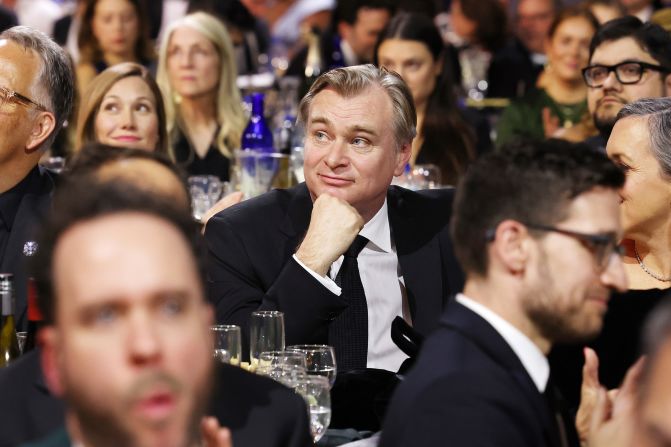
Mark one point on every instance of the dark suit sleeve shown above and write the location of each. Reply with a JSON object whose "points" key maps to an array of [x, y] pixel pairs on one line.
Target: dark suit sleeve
{"points": [[456, 411], [248, 272]]}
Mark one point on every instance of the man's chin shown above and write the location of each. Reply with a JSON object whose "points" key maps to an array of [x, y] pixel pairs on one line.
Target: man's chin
{"points": [[605, 125]]}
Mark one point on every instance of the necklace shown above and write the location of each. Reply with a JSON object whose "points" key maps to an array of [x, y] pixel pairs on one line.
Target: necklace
{"points": [[645, 269]]}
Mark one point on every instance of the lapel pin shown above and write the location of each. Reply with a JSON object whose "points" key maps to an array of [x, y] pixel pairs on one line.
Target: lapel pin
{"points": [[30, 248]]}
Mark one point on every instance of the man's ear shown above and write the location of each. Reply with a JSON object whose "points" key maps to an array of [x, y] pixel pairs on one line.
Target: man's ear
{"points": [[402, 158], [667, 85], [511, 246], [50, 358], [42, 127]]}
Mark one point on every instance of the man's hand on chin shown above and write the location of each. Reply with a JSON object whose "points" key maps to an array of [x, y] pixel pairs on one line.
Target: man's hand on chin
{"points": [[334, 224]]}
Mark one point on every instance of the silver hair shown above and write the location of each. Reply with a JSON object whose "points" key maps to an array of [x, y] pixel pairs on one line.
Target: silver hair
{"points": [[658, 114], [55, 78], [352, 81]]}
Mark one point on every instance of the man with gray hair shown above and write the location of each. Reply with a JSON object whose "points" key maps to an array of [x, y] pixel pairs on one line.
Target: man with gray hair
{"points": [[36, 97], [345, 253]]}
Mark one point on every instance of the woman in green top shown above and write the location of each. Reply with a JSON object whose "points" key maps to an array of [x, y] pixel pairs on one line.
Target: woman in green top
{"points": [[558, 108]]}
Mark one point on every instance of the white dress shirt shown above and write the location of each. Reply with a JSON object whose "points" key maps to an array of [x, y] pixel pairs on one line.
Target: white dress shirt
{"points": [[384, 288], [533, 360]]}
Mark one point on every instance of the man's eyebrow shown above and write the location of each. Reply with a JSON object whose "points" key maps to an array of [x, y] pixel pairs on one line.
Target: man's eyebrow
{"points": [[362, 129], [351, 130], [319, 120]]}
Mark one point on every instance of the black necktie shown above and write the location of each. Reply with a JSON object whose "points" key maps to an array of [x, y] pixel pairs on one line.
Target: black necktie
{"points": [[348, 333], [566, 434]]}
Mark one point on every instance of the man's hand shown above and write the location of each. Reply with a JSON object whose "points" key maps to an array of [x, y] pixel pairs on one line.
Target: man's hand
{"points": [[221, 205], [213, 434], [589, 392], [613, 421], [333, 226]]}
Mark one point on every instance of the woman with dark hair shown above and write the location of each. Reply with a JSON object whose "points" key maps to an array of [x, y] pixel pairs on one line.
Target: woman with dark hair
{"points": [[112, 31], [411, 46], [558, 108], [478, 29]]}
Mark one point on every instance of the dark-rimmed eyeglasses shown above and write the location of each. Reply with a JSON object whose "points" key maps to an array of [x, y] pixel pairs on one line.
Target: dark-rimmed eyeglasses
{"points": [[10, 96], [602, 245], [627, 72]]}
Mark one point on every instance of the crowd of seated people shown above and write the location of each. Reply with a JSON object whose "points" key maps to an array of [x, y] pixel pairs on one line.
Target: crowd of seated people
{"points": [[509, 306]]}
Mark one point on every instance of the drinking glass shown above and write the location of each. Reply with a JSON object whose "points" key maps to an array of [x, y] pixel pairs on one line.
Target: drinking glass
{"points": [[205, 191], [21, 337], [320, 360], [227, 344], [283, 358], [266, 334], [429, 173], [315, 391]]}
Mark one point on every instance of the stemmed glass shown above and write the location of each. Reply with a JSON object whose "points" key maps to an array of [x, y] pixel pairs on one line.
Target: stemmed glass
{"points": [[320, 360], [227, 344], [315, 391], [266, 334]]}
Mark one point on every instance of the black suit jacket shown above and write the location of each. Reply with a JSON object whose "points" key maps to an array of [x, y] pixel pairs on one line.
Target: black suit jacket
{"points": [[468, 388], [250, 265], [33, 208], [258, 411], [29, 411]]}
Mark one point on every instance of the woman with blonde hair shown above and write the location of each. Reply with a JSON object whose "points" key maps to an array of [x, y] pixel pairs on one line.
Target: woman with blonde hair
{"points": [[197, 74], [123, 106]]}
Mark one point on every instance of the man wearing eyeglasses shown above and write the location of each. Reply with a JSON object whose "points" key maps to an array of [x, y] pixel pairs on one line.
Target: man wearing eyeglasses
{"points": [[535, 229], [629, 60], [36, 95]]}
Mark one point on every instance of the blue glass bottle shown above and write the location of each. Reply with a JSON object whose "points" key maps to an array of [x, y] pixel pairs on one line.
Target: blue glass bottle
{"points": [[257, 134], [259, 165]]}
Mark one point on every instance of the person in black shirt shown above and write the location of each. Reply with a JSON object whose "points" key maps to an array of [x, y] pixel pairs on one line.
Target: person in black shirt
{"points": [[34, 103]]}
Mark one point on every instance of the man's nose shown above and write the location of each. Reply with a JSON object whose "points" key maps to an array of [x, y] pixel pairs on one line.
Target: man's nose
{"points": [[337, 155], [143, 338], [611, 81], [614, 275]]}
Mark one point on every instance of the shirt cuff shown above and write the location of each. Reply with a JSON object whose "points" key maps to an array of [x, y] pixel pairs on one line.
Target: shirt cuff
{"points": [[323, 280]]}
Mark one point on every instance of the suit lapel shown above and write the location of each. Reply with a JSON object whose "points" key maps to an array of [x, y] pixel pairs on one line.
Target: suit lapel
{"points": [[297, 218], [34, 205], [418, 252], [471, 325]]}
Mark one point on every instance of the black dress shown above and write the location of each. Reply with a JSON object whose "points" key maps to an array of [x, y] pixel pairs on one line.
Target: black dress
{"points": [[618, 345], [214, 162]]}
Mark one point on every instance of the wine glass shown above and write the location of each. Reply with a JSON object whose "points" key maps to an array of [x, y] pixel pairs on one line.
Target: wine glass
{"points": [[205, 191], [315, 391], [320, 360], [266, 334], [283, 358], [227, 343]]}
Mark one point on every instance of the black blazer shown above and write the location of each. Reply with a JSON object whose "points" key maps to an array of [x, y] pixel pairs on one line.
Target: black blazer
{"points": [[468, 388], [258, 410], [33, 208], [250, 265]]}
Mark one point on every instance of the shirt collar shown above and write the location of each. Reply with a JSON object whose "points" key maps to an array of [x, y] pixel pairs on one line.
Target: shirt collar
{"points": [[533, 360], [377, 230], [348, 54]]}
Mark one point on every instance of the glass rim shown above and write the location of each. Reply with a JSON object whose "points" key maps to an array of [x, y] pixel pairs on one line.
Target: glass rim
{"points": [[284, 352], [224, 327], [267, 313], [308, 347]]}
